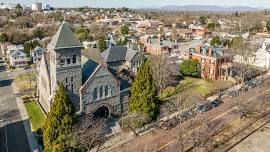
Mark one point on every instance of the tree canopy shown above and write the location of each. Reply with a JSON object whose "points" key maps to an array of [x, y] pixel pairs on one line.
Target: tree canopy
{"points": [[102, 44], [3, 37], [203, 20], [215, 41], [82, 33], [190, 68], [268, 26], [124, 30], [143, 92], [39, 33], [59, 121]]}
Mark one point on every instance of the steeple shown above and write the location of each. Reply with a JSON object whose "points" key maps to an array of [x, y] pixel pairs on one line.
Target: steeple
{"points": [[64, 38]]}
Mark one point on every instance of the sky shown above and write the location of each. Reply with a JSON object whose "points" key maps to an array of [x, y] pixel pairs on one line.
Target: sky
{"points": [[143, 3]]}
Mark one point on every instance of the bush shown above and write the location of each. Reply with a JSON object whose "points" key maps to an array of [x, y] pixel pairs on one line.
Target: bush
{"points": [[134, 121]]}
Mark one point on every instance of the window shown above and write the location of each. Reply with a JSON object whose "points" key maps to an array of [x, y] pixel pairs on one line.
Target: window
{"points": [[74, 59], [101, 92], [62, 62], [72, 88], [106, 91], [68, 61], [95, 94]]}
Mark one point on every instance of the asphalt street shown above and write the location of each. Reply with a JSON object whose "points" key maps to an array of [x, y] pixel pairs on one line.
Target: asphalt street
{"points": [[12, 133]]}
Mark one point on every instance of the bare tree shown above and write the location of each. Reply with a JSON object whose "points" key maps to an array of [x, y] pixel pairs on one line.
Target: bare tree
{"points": [[244, 57], [162, 71], [88, 132]]}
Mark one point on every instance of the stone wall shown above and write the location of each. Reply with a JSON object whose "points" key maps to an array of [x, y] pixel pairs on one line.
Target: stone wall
{"points": [[100, 79]]}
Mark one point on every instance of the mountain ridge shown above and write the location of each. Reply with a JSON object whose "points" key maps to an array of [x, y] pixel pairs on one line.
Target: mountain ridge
{"points": [[209, 8]]}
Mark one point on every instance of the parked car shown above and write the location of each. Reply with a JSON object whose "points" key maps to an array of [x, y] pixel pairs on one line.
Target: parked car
{"points": [[216, 103], [232, 94], [186, 115], [170, 123], [243, 89], [204, 107]]}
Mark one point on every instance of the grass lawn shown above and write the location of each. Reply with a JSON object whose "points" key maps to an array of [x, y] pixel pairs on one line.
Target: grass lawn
{"points": [[194, 85], [26, 82], [36, 116]]}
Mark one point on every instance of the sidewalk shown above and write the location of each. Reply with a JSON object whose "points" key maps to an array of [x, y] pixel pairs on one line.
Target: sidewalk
{"points": [[26, 122]]}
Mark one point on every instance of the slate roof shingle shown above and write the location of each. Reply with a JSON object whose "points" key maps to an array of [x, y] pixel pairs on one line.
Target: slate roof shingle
{"points": [[64, 38]]}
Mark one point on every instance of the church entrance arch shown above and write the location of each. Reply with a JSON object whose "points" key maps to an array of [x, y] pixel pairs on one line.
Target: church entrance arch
{"points": [[102, 112]]}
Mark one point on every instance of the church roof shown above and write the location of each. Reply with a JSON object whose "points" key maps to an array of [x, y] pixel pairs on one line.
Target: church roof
{"points": [[92, 54], [64, 38], [118, 53]]}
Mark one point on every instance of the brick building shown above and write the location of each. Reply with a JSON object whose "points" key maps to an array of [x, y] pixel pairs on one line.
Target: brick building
{"points": [[214, 61]]}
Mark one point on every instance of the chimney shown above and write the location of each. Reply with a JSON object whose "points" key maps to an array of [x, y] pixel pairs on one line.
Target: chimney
{"points": [[210, 51], [198, 49]]}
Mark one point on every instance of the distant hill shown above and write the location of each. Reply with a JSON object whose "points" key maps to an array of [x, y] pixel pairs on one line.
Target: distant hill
{"points": [[207, 8]]}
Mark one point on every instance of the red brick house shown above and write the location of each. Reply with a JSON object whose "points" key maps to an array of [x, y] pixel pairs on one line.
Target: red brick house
{"points": [[213, 60]]}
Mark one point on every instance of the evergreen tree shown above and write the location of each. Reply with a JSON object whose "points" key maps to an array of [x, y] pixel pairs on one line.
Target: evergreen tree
{"points": [[124, 30], [143, 92], [268, 26], [59, 121], [38, 33], [102, 45], [82, 33], [215, 41], [190, 68], [3, 37]]}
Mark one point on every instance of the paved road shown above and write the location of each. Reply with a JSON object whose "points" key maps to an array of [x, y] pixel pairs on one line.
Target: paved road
{"points": [[164, 140], [257, 142], [12, 133]]}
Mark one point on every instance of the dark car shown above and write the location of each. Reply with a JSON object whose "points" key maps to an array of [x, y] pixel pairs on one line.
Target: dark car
{"points": [[243, 89], [216, 103], [170, 123], [204, 108]]}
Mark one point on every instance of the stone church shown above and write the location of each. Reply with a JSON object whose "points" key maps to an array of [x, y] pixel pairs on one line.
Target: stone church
{"points": [[92, 86]]}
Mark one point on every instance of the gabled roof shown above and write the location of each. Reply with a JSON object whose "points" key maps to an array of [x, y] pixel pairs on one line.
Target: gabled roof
{"points": [[118, 53], [64, 38]]}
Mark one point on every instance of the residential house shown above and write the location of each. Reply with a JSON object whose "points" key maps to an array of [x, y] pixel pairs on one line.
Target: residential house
{"points": [[214, 61], [156, 45], [12, 48], [260, 58], [19, 59], [36, 54]]}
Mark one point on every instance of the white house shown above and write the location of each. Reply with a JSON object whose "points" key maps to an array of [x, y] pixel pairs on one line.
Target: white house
{"points": [[261, 58], [19, 59], [263, 55]]}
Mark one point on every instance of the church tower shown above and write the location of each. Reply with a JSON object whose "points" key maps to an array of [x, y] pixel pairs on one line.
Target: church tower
{"points": [[65, 62]]}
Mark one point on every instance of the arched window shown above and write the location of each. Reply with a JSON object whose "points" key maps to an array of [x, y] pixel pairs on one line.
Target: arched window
{"points": [[95, 94], [106, 91], [74, 59], [101, 92]]}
